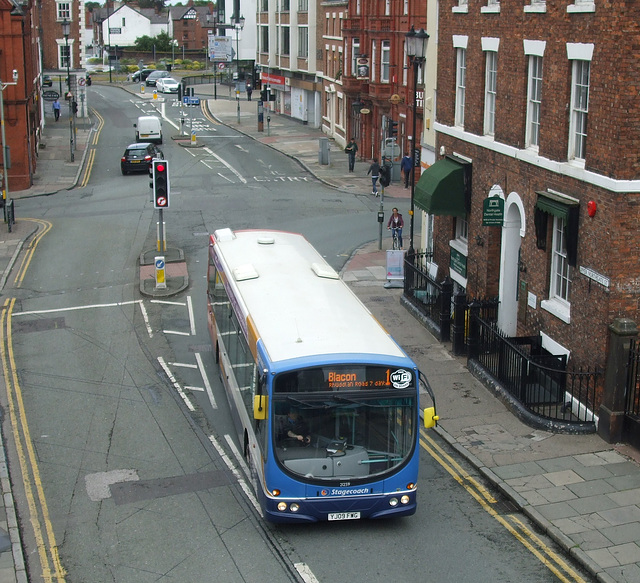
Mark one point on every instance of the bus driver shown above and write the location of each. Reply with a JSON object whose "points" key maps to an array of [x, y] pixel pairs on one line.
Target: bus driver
{"points": [[293, 426]]}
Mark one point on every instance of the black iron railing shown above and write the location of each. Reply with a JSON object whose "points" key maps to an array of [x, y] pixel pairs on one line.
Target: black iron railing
{"points": [[539, 381]]}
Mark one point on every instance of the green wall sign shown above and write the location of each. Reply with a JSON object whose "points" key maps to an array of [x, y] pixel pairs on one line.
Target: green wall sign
{"points": [[493, 212]]}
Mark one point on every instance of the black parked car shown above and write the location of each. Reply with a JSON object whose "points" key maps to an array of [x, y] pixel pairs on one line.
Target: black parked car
{"points": [[141, 75], [137, 157], [46, 81]]}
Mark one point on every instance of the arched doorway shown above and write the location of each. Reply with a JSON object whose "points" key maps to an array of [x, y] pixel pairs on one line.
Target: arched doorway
{"points": [[513, 230]]}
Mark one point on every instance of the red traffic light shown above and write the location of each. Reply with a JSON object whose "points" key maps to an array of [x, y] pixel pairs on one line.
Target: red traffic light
{"points": [[160, 167]]}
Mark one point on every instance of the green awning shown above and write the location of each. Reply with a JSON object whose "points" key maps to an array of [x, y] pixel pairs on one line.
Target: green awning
{"points": [[441, 189], [554, 205]]}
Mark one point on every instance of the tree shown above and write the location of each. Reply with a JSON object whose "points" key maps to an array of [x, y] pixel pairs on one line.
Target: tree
{"points": [[162, 43]]}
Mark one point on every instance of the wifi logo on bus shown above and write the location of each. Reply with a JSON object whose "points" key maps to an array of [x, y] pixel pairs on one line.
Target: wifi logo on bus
{"points": [[401, 378]]}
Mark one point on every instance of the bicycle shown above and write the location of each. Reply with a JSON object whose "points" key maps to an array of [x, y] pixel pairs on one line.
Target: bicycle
{"points": [[395, 234]]}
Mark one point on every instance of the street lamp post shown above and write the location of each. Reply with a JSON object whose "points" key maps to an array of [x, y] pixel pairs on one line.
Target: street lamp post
{"points": [[66, 27], [416, 49], [238, 24], [5, 158]]}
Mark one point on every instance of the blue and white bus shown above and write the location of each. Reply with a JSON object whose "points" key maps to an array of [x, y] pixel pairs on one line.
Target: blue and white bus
{"points": [[325, 401]]}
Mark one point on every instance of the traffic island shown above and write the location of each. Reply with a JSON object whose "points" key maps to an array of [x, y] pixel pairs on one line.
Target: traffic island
{"points": [[165, 277]]}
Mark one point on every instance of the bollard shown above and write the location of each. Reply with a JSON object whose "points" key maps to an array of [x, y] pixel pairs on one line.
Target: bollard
{"points": [[141, 87], [161, 280], [193, 138], [155, 94]]}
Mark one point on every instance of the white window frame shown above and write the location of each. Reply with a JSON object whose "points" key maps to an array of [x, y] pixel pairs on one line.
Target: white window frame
{"points": [[579, 110], [461, 73], [579, 6], [539, 6], [62, 53], [559, 302], [405, 7], [462, 7], [355, 54], [490, 88], [385, 61], [63, 11], [534, 101], [387, 7], [374, 57]]}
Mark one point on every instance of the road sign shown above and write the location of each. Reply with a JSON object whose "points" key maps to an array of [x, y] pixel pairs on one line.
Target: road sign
{"points": [[50, 95], [191, 100], [221, 65], [81, 81]]}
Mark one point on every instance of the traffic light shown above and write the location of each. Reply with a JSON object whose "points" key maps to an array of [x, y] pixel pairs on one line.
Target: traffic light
{"points": [[393, 129], [160, 175]]}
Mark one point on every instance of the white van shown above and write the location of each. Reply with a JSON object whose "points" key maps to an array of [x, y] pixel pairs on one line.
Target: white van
{"points": [[148, 129]]}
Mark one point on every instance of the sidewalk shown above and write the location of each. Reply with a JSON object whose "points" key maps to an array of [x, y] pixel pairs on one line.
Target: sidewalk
{"points": [[582, 491]]}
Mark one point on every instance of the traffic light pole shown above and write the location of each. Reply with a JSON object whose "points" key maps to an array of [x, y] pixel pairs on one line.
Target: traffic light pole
{"points": [[162, 243]]}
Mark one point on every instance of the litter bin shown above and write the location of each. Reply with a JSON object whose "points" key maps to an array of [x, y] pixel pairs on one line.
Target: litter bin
{"points": [[323, 151]]}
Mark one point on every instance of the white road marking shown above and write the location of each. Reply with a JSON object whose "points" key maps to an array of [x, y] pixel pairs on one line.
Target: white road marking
{"points": [[205, 379], [167, 302], [198, 389], [183, 364], [176, 332], [240, 177], [145, 317], [73, 308], [306, 573], [192, 320], [176, 385], [243, 484]]}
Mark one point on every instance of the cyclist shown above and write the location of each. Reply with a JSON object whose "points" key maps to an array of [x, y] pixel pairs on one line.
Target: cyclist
{"points": [[395, 224]]}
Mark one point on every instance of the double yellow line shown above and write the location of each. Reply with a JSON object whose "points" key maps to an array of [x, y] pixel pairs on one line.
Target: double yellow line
{"points": [[52, 570], [92, 151], [512, 522]]}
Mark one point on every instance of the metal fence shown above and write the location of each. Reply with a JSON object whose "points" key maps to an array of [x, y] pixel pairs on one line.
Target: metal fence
{"points": [[540, 381], [632, 405]]}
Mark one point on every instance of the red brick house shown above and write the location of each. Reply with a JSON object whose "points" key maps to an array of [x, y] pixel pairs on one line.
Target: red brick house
{"points": [[23, 108], [540, 101], [377, 82]]}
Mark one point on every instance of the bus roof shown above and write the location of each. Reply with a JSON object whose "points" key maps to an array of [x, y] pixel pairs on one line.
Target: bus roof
{"points": [[295, 299]]}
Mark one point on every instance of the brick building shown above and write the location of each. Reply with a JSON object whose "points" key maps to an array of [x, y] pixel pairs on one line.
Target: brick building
{"points": [[55, 48], [334, 110], [23, 113], [538, 104], [377, 82]]}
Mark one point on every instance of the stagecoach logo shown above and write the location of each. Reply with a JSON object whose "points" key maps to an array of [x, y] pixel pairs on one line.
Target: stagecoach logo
{"points": [[401, 379], [345, 492]]}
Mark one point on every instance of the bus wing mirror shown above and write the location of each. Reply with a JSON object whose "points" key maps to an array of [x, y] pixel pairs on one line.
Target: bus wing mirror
{"points": [[260, 403], [430, 417]]}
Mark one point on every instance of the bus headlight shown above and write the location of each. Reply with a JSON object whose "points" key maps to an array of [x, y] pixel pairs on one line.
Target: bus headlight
{"points": [[393, 501], [294, 507], [282, 506], [405, 499]]}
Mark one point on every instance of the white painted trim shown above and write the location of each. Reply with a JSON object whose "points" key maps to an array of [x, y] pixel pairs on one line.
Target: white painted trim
{"points": [[534, 47], [460, 41], [580, 51], [554, 347], [569, 169], [490, 44]]}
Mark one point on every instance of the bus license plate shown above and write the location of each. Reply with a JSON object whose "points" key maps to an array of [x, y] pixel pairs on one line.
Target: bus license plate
{"points": [[344, 515]]}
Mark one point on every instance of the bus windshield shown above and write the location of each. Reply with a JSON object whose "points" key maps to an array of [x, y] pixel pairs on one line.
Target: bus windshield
{"points": [[343, 432]]}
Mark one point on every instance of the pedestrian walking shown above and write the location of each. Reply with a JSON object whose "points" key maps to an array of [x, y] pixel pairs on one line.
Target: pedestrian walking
{"points": [[406, 165], [249, 91], [56, 110], [374, 170], [352, 150]]}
